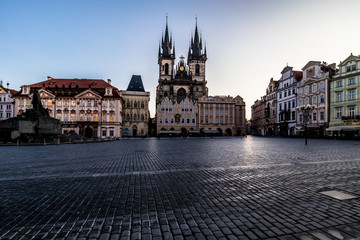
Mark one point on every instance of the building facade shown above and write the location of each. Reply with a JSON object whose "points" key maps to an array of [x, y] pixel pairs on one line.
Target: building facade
{"points": [[175, 118], [136, 108], [345, 99], [7, 103], [286, 101], [222, 115], [313, 89], [270, 108], [87, 107], [258, 120]]}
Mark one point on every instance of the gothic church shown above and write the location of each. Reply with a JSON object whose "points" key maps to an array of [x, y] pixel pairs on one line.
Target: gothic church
{"points": [[180, 86]]}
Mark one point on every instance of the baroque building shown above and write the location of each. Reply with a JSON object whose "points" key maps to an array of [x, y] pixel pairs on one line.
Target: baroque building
{"points": [[223, 115], [345, 99], [7, 102], [182, 84], [286, 101], [258, 122], [87, 107], [270, 108], [136, 108], [313, 89]]}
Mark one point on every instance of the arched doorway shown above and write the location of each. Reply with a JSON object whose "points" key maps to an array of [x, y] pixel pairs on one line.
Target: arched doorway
{"points": [[183, 132], [220, 131], [228, 132], [89, 132], [134, 131], [270, 132]]}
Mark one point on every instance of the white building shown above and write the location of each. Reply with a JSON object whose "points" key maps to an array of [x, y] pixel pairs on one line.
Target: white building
{"points": [[313, 89], [286, 101], [6, 103], [88, 107]]}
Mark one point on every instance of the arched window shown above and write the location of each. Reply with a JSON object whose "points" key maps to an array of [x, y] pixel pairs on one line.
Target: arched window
{"points": [[127, 117], [128, 104], [166, 69], [197, 69], [135, 117], [142, 105], [142, 117], [135, 104], [181, 95]]}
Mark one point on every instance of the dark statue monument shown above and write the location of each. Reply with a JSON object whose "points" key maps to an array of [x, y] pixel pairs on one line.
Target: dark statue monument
{"points": [[33, 125]]}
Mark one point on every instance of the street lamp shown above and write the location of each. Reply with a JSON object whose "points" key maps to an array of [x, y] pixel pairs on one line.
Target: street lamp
{"points": [[305, 110]]}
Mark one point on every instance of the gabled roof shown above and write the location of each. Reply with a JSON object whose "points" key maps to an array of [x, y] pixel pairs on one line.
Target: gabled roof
{"points": [[136, 84], [8, 90], [310, 63], [349, 58]]}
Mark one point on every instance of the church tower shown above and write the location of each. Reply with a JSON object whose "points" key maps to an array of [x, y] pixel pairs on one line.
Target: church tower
{"points": [[166, 58], [197, 57]]}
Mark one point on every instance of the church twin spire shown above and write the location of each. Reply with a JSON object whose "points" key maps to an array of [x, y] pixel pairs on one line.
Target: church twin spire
{"points": [[167, 46]]}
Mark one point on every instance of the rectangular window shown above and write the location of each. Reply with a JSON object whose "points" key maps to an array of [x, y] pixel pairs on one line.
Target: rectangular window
{"points": [[49, 103], [300, 91], [351, 81], [8, 115], [289, 92], [339, 84], [314, 100], [217, 112], [96, 117], [314, 87], [300, 102], [188, 120], [322, 99], [284, 93], [111, 133], [193, 121], [8, 107], [280, 106], [280, 95], [293, 115], [293, 91], [160, 120], [95, 103], [103, 117], [351, 95], [306, 101], [314, 116], [306, 90], [58, 103], [293, 103], [322, 85], [338, 97], [301, 118], [206, 112], [183, 120], [351, 112], [322, 116], [72, 117], [338, 112], [104, 133]]}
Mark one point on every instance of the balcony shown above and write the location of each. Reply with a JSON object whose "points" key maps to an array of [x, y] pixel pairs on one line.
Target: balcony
{"points": [[350, 118]]}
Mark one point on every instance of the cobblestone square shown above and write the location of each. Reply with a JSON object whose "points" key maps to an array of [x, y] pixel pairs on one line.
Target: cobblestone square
{"points": [[212, 188]]}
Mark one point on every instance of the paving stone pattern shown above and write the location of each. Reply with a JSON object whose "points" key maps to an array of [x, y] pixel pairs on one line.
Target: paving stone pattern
{"points": [[218, 188]]}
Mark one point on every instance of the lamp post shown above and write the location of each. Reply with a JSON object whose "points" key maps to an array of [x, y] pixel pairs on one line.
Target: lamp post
{"points": [[305, 110]]}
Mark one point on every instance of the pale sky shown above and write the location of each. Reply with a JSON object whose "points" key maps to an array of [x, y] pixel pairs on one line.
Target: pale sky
{"points": [[248, 41]]}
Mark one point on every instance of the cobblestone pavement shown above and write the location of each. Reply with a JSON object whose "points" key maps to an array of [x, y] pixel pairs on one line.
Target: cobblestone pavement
{"points": [[219, 188]]}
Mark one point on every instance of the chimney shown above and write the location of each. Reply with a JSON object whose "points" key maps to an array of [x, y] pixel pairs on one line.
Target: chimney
{"points": [[109, 81]]}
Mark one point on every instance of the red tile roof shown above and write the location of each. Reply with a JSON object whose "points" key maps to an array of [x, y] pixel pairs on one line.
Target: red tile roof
{"points": [[12, 91], [298, 75], [73, 86]]}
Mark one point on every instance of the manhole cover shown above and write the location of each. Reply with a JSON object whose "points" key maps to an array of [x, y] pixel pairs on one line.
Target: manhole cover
{"points": [[339, 195]]}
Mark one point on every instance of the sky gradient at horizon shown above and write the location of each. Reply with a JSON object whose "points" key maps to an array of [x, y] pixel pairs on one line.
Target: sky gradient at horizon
{"points": [[248, 42]]}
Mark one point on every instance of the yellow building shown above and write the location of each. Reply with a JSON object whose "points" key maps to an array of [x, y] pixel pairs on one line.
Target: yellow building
{"points": [[136, 108], [345, 99]]}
